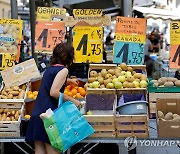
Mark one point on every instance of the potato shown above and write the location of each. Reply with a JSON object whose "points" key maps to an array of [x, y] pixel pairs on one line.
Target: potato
{"points": [[10, 96], [177, 119], [8, 119], [8, 113], [15, 88], [4, 93], [13, 112], [3, 97], [1, 111], [16, 116], [168, 116], [160, 114], [175, 115], [15, 97], [21, 94], [14, 93], [6, 110]]}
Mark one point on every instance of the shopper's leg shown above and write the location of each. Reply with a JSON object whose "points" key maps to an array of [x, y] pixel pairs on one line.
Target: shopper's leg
{"points": [[40, 147], [50, 149]]}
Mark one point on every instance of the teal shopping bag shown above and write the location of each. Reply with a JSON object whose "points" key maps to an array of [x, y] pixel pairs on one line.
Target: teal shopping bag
{"points": [[66, 126]]}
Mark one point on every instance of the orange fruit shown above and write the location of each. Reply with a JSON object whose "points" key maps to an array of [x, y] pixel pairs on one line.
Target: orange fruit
{"points": [[73, 85], [74, 91], [35, 93], [29, 92], [34, 96], [82, 92], [30, 95], [68, 87], [79, 89], [70, 94], [78, 95], [66, 91]]}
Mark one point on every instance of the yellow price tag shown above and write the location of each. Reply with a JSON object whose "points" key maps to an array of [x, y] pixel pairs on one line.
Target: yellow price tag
{"points": [[175, 32], [87, 42], [7, 60], [49, 13]]}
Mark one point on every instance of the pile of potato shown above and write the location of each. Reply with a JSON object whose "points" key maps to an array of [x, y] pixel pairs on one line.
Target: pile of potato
{"points": [[166, 82], [14, 92], [169, 116], [9, 114]]}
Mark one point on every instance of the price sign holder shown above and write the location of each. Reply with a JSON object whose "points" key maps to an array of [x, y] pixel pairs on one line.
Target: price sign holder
{"points": [[87, 42], [128, 52], [7, 60], [48, 34]]}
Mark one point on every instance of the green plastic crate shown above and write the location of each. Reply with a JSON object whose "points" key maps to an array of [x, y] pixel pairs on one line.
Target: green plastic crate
{"points": [[161, 89]]}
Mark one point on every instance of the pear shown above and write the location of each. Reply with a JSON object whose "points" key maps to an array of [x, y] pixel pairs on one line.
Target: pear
{"points": [[100, 79], [93, 73], [102, 86], [91, 79], [103, 72], [123, 66], [130, 78], [111, 71], [130, 69], [108, 76]]}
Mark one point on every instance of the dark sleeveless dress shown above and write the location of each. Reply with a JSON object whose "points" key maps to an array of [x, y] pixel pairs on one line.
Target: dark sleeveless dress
{"points": [[35, 130]]}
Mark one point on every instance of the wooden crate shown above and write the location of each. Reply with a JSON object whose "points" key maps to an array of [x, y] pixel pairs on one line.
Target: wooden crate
{"points": [[16, 100], [103, 125], [11, 128], [153, 98], [131, 125]]}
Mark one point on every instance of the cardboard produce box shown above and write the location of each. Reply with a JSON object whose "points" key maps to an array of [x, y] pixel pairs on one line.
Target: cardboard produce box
{"points": [[168, 128]]}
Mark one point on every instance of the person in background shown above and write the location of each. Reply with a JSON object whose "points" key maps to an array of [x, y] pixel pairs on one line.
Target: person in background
{"points": [[53, 82], [109, 39], [155, 38]]}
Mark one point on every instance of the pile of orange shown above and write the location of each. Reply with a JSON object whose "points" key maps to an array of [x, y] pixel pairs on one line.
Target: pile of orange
{"points": [[75, 91], [32, 94]]}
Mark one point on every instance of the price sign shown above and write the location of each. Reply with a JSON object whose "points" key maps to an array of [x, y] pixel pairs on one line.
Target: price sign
{"points": [[7, 60], [50, 14], [127, 25], [87, 42], [87, 12], [48, 34], [128, 52], [175, 56], [175, 32], [10, 36]]}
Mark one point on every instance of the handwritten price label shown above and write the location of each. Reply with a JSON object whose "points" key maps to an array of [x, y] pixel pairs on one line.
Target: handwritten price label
{"points": [[130, 53], [175, 32], [48, 34], [175, 56], [87, 42], [7, 60]]}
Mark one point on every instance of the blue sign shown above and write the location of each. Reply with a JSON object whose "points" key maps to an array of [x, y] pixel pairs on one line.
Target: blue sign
{"points": [[128, 52]]}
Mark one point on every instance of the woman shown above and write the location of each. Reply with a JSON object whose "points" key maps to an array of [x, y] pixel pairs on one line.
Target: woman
{"points": [[53, 82]]}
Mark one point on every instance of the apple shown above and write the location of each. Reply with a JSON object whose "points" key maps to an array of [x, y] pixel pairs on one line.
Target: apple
{"points": [[122, 78], [137, 85], [115, 80], [90, 85], [110, 85], [95, 84], [118, 85], [123, 73], [128, 73], [143, 84]]}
